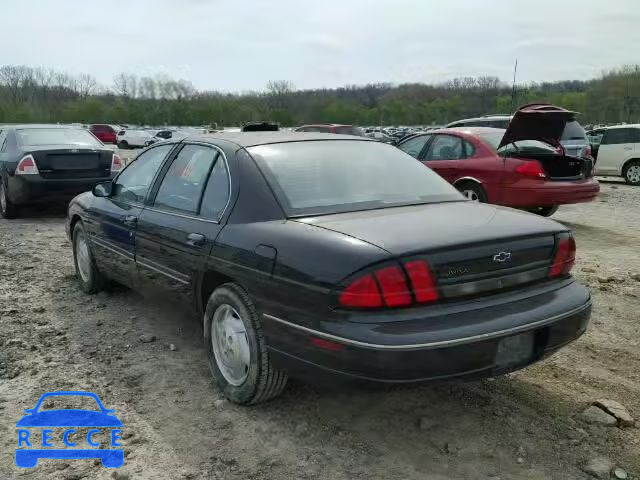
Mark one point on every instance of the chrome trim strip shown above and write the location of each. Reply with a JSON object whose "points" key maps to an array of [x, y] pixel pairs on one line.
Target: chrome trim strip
{"points": [[443, 343], [462, 179], [182, 215], [155, 269], [112, 248]]}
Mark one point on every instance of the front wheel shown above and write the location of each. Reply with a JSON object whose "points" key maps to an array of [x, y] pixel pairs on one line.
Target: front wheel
{"points": [[7, 209], [632, 173], [123, 144], [91, 280], [237, 350], [545, 211]]}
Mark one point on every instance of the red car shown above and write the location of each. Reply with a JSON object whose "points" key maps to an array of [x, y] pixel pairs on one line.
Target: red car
{"points": [[104, 133], [524, 166]]}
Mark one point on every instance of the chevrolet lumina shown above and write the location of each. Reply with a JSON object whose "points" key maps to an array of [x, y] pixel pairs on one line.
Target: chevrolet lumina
{"points": [[328, 256]]}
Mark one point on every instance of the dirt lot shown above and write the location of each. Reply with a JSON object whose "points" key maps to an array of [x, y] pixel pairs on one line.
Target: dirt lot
{"points": [[523, 426]]}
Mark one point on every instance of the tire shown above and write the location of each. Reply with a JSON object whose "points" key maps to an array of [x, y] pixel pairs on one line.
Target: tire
{"points": [[123, 144], [473, 191], [256, 379], [7, 209], [545, 211], [631, 172], [90, 278]]}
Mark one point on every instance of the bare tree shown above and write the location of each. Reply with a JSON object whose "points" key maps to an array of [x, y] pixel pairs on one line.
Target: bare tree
{"points": [[86, 85]]}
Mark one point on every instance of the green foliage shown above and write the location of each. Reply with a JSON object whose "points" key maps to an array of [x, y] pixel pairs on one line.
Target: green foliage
{"points": [[35, 95]]}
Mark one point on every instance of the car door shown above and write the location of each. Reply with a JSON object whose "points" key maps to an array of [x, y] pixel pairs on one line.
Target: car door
{"points": [[444, 154], [111, 222], [178, 228], [617, 146], [415, 146]]}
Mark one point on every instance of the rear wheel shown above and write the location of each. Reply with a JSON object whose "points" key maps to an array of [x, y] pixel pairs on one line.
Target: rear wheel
{"points": [[473, 191], [123, 144], [90, 278], [632, 173], [7, 209], [544, 211], [237, 350]]}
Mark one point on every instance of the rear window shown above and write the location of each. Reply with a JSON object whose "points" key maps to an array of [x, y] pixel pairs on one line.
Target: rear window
{"points": [[574, 131], [357, 131], [56, 136], [528, 146], [342, 176]]}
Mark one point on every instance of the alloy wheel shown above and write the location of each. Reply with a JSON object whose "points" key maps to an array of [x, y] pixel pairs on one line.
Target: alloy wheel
{"points": [[633, 174], [471, 195], [83, 259]]}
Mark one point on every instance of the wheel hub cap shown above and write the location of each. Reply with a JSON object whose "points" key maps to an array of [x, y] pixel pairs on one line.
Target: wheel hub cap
{"points": [[633, 173], [83, 259], [471, 195], [230, 344], [3, 199]]}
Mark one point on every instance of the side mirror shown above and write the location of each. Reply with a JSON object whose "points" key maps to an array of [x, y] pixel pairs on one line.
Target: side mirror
{"points": [[103, 189]]}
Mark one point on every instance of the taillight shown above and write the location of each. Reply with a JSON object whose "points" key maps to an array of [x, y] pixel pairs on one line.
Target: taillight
{"points": [[116, 164], [390, 287], [587, 152], [564, 258], [531, 169], [27, 166]]}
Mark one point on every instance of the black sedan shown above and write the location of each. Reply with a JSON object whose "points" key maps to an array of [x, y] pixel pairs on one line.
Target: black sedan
{"points": [[329, 256], [49, 163]]}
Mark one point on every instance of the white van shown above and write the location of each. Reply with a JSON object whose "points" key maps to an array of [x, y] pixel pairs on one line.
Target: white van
{"points": [[619, 153]]}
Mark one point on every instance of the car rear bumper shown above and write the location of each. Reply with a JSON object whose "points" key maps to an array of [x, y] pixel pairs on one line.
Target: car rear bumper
{"points": [[551, 193], [27, 189], [452, 341]]}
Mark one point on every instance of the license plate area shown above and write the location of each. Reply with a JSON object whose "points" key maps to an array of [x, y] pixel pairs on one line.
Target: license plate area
{"points": [[515, 350]]}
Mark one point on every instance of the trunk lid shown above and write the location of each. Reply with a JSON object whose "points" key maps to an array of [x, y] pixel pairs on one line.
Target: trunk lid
{"points": [[57, 162], [537, 121], [472, 248]]}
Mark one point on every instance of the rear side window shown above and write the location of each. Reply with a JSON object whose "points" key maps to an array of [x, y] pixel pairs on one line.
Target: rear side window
{"points": [[574, 131], [446, 147], [615, 136], [182, 186], [56, 136], [216, 194]]}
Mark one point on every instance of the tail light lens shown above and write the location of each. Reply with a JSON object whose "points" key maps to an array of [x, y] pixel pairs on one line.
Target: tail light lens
{"points": [[116, 164], [391, 287], [564, 258], [531, 169], [27, 166], [587, 152]]}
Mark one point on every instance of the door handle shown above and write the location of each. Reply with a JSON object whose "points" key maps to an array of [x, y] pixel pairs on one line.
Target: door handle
{"points": [[130, 220], [196, 239], [628, 148]]}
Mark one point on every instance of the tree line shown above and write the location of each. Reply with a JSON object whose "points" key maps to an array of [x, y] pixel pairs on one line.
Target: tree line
{"points": [[29, 94]]}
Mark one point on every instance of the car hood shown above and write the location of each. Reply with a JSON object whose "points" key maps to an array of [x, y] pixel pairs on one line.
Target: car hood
{"points": [[537, 121], [69, 418], [406, 230]]}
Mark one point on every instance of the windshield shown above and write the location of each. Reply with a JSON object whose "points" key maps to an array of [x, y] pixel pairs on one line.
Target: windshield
{"points": [[319, 177], [56, 136]]}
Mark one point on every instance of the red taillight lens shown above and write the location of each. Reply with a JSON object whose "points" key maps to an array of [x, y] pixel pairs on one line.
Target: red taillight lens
{"points": [[565, 257], [531, 169], [27, 166], [394, 287], [388, 287], [422, 281], [116, 164], [362, 293], [326, 344]]}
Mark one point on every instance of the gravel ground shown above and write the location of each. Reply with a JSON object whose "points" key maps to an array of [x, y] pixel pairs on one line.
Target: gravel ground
{"points": [[177, 425]]}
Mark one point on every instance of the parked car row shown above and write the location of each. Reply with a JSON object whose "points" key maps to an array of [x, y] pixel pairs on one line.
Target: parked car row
{"points": [[327, 256]]}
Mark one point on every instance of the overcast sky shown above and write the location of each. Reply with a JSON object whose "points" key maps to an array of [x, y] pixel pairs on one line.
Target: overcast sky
{"points": [[239, 45]]}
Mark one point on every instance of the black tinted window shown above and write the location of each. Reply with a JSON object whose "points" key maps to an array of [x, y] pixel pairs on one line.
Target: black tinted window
{"points": [[357, 131], [621, 135], [134, 181], [414, 146], [573, 131], [182, 186], [216, 194], [56, 136]]}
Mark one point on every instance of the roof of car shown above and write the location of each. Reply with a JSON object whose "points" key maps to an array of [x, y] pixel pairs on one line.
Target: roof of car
{"points": [[40, 125], [252, 139], [631, 125], [474, 130]]}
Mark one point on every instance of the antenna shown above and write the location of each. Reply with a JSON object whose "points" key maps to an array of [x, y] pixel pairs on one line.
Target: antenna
{"points": [[514, 95]]}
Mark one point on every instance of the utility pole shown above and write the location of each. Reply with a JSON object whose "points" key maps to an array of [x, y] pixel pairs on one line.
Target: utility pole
{"points": [[514, 93]]}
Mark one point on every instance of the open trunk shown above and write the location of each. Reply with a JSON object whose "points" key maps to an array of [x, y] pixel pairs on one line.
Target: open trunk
{"points": [[560, 167]]}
